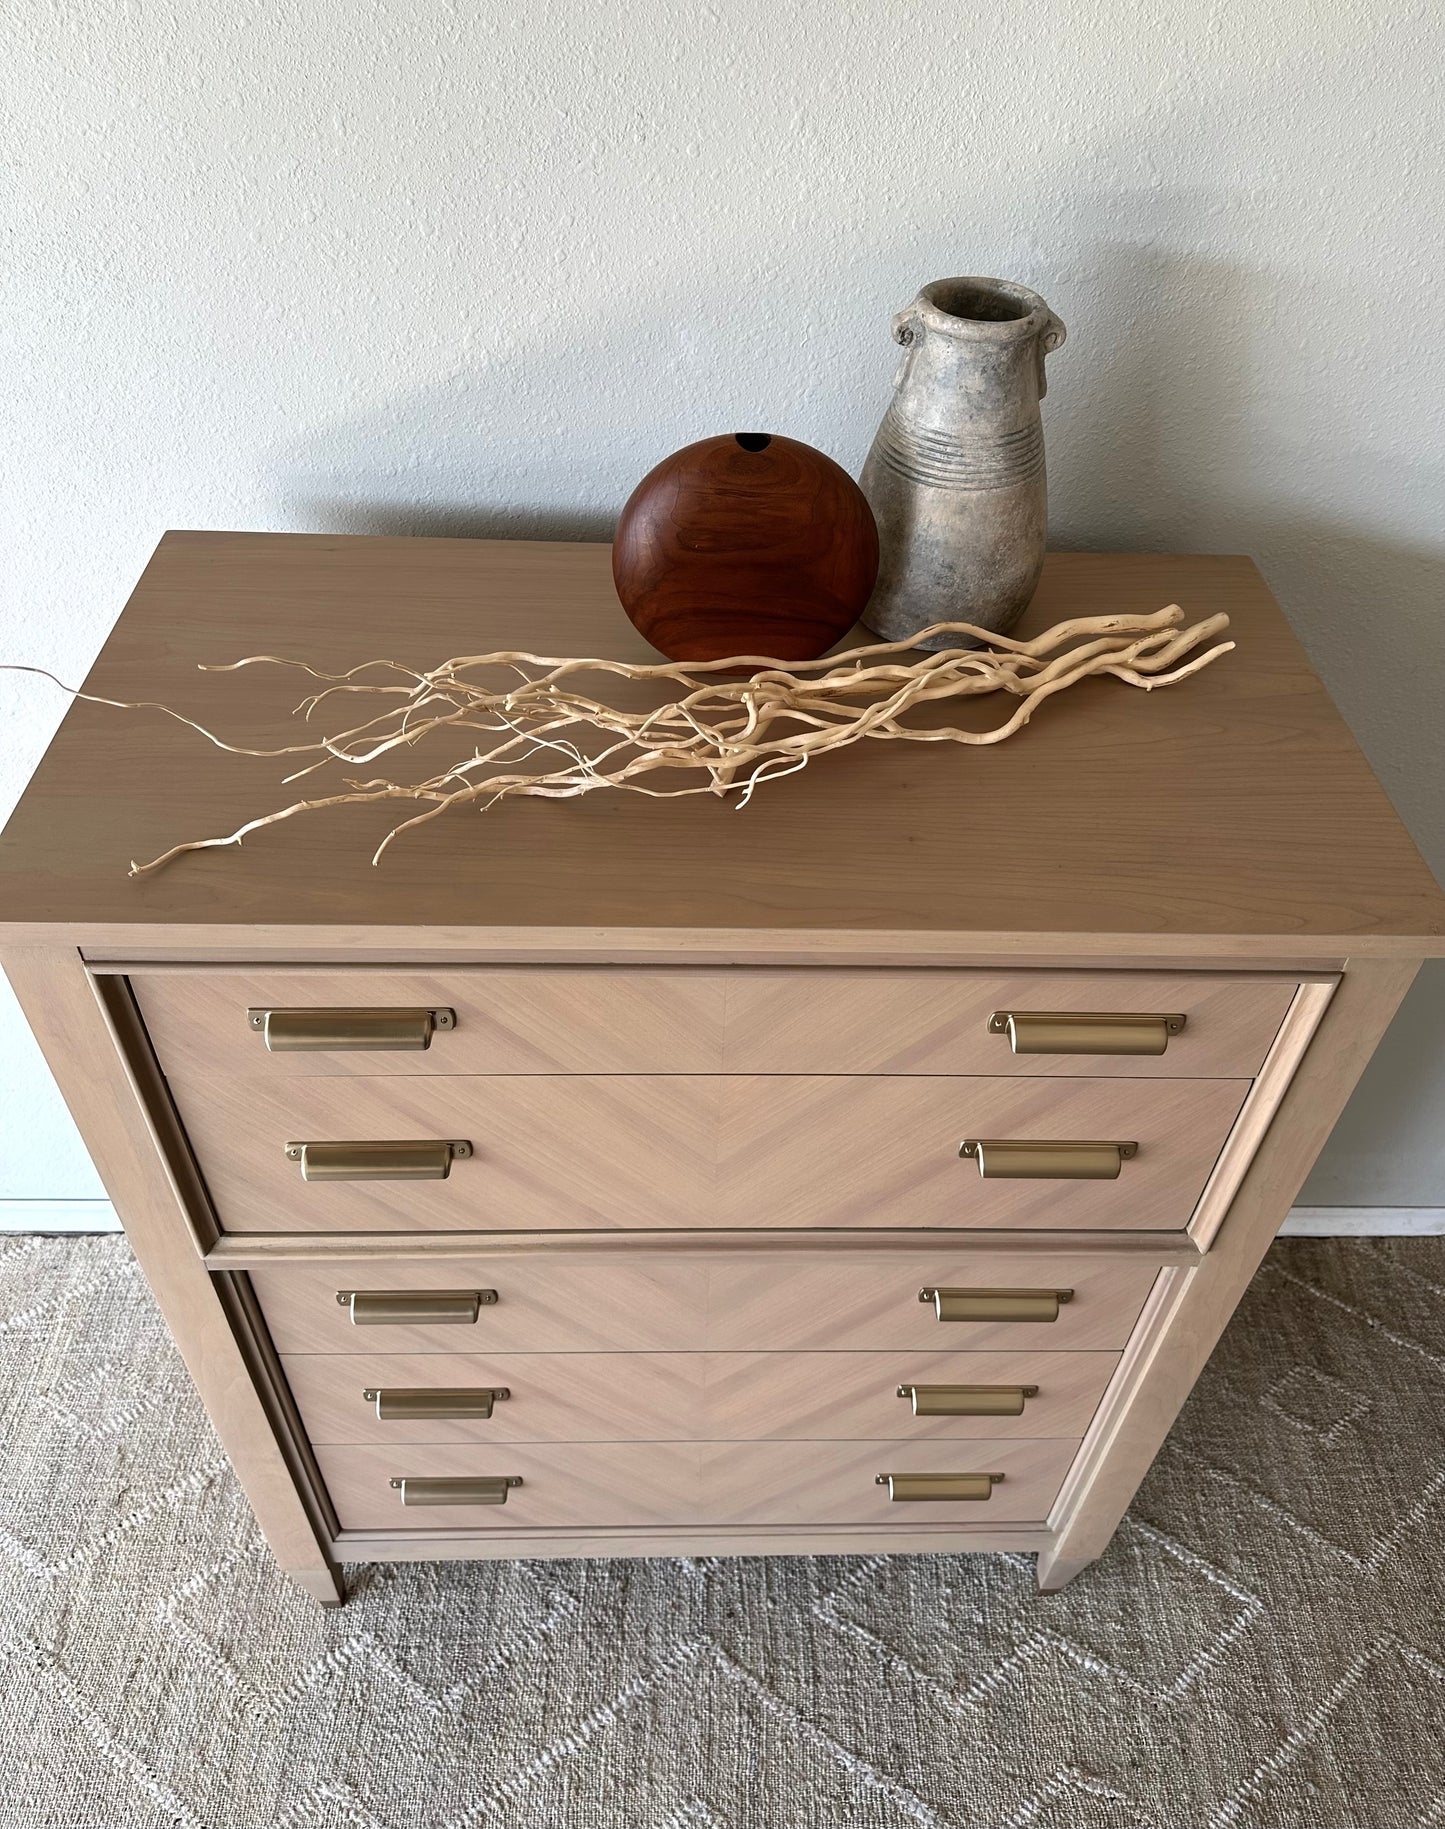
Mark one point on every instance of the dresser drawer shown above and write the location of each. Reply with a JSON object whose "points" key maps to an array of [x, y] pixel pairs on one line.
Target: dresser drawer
{"points": [[745, 1301], [602, 1485], [608, 1397], [209, 1024], [681, 1152]]}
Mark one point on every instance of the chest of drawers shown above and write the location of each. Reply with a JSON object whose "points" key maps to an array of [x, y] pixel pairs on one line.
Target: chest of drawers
{"points": [[871, 1170]]}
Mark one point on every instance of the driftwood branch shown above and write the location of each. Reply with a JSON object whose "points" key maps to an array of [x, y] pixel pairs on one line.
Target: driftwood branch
{"points": [[548, 738]]}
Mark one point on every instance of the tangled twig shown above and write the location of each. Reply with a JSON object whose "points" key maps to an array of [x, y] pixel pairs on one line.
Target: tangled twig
{"points": [[736, 732]]}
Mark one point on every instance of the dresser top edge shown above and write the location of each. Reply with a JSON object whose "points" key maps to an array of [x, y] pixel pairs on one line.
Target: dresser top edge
{"points": [[1233, 810], [109, 948]]}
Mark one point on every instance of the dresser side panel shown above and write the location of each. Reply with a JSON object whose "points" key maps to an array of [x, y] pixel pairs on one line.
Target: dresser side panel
{"points": [[1191, 1309], [60, 1003]]}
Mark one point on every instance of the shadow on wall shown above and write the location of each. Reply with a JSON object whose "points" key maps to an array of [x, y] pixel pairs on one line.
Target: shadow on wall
{"points": [[546, 434], [1149, 418], [457, 523]]}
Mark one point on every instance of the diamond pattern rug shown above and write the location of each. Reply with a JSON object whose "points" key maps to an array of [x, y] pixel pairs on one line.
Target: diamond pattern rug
{"points": [[1262, 1647]]}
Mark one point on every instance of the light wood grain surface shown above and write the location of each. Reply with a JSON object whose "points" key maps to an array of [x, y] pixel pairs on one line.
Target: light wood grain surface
{"points": [[608, 1397], [266, 1250], [1233, 809], [707, 1483], [628, 1152], [834, 1300], [535, 1020]]}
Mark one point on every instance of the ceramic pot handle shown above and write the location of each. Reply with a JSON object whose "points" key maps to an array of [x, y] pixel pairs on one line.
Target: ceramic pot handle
{"points": [[1053, 336], [906, 336], [902, 326]]}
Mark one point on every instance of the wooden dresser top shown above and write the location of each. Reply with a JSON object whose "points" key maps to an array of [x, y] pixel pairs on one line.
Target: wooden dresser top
{"points": [[1230, 816]]}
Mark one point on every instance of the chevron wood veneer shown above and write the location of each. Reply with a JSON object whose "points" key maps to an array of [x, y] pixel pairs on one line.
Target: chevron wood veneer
{"points": [[637, 1152], [528, 1020], [661, 1019], [897, 1022], [713, 1068], [692, 1301], [679, 1397], [652, 1484], [806, 1151]]}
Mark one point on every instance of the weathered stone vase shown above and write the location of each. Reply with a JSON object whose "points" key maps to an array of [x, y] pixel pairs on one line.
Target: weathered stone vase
{"points": [[956, 473]]}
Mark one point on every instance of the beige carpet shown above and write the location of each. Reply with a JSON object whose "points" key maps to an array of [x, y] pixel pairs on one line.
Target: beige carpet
{"points": [[1261, 1647]]}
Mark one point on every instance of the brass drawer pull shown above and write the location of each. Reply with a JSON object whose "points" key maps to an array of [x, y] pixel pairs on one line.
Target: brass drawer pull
{"points": [[938, 1485], [491, 1490], [1007, 1159], [968, 1399], [414, 1307], [996, 1304], [451, 1406], [335, 1031], [420, 1159], [1068, 1032]]}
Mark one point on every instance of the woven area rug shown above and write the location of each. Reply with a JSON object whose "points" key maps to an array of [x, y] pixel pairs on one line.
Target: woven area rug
{"points": [[1261, 1647]]}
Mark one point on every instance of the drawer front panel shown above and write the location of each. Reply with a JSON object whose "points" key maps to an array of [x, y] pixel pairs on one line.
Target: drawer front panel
{"points": [[603, 1485], [604, 1397], [682, 1152], [594, 1019], [833, 1300]]}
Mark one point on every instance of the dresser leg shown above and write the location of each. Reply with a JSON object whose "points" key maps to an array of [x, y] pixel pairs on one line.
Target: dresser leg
{"points": [[327, 1587], [1054, 1571]]}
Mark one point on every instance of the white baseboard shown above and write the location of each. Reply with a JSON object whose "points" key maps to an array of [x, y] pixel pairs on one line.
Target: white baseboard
{"points": [[1363, 1222], [58, 1216], [1303, 1222]]}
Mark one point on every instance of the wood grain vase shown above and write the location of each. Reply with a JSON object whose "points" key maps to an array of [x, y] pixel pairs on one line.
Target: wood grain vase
{"points": [[956, 472], [745, 544]]}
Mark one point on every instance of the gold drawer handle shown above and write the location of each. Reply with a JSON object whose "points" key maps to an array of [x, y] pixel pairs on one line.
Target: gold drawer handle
{"points": [[422, 1159], [414, 1307], [1007, 1159], [938, 1485], [451, 1406], [996, 1304], [1068, 1032], [968, 1399], [491, 1490], [336, 1031]]}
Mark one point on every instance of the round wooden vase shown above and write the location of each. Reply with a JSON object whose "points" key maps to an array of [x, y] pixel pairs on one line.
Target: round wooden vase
{"points": [[745, 544]]}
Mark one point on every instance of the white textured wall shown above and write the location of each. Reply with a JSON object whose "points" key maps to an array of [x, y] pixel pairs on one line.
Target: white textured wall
{"points": [[400, 265]]}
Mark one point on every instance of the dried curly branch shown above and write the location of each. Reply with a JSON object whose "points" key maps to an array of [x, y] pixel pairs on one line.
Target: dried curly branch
{"points": [[735, 732]]}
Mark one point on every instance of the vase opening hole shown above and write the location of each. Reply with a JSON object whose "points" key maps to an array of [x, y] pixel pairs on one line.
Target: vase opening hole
{"points": [[981, 304], [754, 441]]}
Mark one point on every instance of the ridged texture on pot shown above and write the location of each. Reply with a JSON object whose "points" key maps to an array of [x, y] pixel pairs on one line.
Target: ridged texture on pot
{"points": [[956, 473]]}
